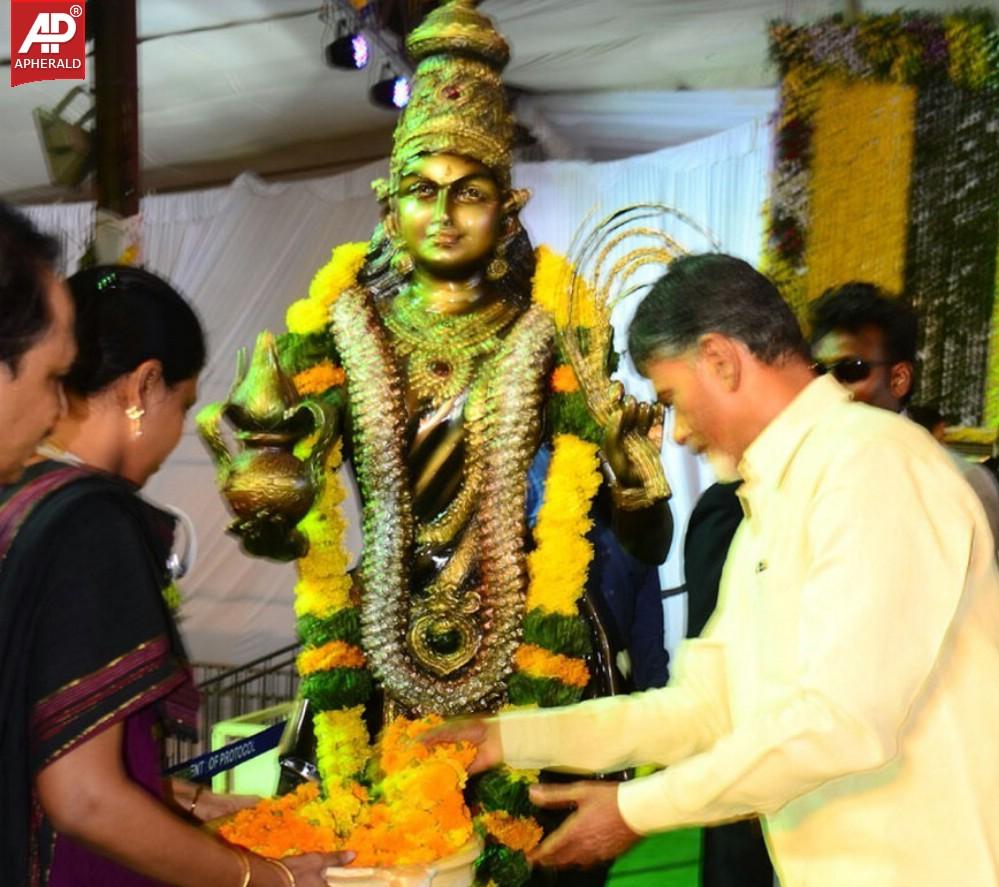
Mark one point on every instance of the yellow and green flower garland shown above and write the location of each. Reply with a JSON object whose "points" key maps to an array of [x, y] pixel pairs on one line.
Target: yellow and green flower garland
{"points": [[550, 668]]}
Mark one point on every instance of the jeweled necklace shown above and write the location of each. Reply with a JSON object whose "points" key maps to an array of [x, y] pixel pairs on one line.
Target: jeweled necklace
{"points": [[441, 349]]}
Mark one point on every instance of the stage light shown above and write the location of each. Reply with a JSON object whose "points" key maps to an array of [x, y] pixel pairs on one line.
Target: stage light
{"points": [[349, 51], [391, 92]]}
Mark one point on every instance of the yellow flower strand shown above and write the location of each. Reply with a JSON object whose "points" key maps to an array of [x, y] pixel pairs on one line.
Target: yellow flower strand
{"points": [[324, 585], [559, 564], [342, 745]]}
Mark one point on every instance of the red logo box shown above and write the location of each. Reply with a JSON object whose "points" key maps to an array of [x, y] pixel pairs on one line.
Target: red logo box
{"points": [[48, 41]]}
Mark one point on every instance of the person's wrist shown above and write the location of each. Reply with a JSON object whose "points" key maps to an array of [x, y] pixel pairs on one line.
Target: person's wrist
{"points": [[245, 869], [287, 875]]}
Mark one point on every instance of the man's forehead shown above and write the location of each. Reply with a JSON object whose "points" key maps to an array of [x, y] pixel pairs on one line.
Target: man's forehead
{"points": [[664, 372], [867, 341]]}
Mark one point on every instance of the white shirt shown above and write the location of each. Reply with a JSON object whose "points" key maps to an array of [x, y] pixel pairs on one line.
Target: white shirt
{"points": [[847, 687]]}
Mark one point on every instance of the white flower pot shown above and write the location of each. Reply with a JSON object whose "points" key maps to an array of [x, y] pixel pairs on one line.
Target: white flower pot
{"points": [[458, 870]]}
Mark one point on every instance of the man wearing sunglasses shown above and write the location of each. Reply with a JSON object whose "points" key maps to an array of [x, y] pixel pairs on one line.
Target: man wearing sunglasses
{"points": [[867, 341]]}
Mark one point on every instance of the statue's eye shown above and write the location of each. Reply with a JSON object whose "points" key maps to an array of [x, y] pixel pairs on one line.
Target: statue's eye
{"points": [[472, 194], [422, 190]]}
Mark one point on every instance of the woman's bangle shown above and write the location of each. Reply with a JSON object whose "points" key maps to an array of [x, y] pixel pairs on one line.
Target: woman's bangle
{"points": [[244, 867], [288, 873], [194, 800]]}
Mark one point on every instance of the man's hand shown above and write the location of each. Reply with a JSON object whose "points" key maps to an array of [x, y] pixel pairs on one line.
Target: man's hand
{"points": [[594, 833], [483, 733]]}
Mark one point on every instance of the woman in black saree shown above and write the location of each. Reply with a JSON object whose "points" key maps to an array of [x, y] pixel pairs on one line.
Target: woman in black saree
{"points": [[94, 671]]}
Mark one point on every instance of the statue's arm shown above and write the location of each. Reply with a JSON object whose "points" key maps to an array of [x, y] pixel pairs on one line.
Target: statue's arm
{"points": [[285, 412]]}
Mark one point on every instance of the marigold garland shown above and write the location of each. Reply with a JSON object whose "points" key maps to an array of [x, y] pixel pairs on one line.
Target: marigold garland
{"points": [[551, 274], [559, 564], [514, 832], [540, 663], [318, 378], [342, 745], [564, 380], [311, 314], [413, 815], [324, 585], [333, 654]]}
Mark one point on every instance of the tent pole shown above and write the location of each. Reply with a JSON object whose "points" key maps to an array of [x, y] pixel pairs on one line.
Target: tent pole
{"points": [[116, 89]]}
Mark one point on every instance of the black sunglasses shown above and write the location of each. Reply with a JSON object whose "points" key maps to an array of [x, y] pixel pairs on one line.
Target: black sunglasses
{"points": [[849, 369]]}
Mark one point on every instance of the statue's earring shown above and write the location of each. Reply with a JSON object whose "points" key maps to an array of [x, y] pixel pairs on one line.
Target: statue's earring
{"points": [[402, 262], [498, 267], [134, 414]]}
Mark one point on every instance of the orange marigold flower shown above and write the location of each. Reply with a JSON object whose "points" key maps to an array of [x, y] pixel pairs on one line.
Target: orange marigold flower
{"points": [[335, 654], [564, 380], [541, 663], [318, 378], [515, 832]]}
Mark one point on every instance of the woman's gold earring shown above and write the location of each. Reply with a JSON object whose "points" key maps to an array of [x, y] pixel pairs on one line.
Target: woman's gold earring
{"points": [[134, 415]]}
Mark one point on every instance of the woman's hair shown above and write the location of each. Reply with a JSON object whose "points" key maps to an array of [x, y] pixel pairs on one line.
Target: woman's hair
{"points": [[125, 316], [26, 257]]}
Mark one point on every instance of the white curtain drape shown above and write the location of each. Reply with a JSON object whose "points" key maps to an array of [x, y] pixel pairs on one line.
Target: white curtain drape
{"points": [[243, 252]]}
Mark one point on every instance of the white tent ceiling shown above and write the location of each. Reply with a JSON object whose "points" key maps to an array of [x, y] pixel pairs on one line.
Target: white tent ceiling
{"points": [[230, 85]]}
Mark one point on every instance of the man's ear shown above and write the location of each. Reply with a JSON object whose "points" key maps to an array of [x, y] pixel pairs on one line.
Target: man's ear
{"points": [[721, 359], [900, 378]]}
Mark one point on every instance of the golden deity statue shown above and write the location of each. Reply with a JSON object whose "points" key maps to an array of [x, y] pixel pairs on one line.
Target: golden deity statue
{"points": [[429, 360]]}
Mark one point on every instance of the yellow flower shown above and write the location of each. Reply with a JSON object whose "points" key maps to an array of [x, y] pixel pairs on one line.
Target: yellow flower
{"points": [[541, 663], [335, 654], [339, 273], [305, 317], [552, 276], [310, 315]]}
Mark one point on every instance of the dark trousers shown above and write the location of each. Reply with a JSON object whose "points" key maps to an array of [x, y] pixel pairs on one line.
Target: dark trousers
{"points": [[735, 855], [594, 877]]}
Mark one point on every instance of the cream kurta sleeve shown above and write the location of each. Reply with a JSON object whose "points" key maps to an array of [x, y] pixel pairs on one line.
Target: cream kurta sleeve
{"points": [[883, 538], [657, 726]]}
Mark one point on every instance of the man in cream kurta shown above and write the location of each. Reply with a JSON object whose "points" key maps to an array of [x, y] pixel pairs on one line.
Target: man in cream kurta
{"points": [[847, 687]]}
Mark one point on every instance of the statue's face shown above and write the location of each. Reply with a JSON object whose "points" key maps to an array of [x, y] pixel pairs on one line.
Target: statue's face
{"points": [[449, 213]]}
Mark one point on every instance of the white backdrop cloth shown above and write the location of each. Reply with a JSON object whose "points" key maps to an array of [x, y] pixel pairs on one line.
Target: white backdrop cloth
{"points": [[242, 253]]}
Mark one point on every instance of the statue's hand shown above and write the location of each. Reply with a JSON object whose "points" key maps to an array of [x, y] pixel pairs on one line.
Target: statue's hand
{"points": [[632, 440], [270, 535]]}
